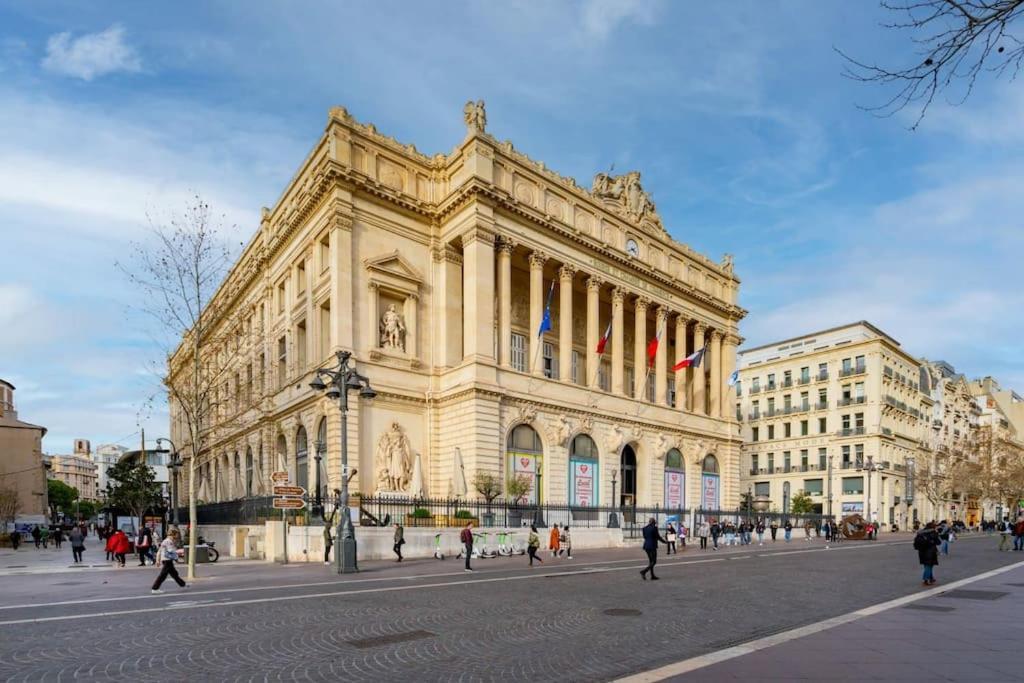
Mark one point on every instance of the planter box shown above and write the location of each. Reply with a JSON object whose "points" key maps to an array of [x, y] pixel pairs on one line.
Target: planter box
{"points": [[419, 521]]}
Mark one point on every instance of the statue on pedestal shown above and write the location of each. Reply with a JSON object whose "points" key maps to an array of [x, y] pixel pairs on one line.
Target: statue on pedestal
{"points": [[392, 329]]}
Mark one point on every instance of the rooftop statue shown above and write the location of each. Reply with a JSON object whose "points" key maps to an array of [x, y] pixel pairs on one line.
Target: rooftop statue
{"points": [[626, 194]]}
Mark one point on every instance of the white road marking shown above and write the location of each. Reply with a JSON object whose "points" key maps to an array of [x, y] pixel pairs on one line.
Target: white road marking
{"points": [[699, 662]]}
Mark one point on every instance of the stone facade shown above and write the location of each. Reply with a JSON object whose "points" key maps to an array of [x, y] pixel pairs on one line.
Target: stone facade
{"points": [[840, 414], [21, 458], [436, 272], [77, 471]]}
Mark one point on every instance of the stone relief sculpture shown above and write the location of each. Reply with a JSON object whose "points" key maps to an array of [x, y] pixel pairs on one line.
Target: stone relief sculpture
{"points": [[613, 439], [392, 329], [727, 264], [626, 194], [475, 116], [394, 460]]}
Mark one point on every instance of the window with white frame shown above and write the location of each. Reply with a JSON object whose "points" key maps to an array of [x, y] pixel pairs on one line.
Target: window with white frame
{"points": [[650, 387], [550, 361], [630, 382], [670, 392], [519, 352], [576, 367], [604, 379]]}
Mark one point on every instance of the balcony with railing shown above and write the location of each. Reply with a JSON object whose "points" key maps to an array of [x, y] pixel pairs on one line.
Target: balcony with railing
{"points": [[821, 405], [755, 415], [850, 431], [804, 380], [787, 383], [756, 389], [822, 376], [850, 401], [887, 372], [855, 370]]}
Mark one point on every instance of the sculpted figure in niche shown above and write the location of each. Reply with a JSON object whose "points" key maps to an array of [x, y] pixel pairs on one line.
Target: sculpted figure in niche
{"points": [[394, 460], [392, 329], [475, 115]]}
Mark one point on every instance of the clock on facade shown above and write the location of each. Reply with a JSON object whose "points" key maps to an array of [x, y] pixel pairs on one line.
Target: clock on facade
{"points": [[632, 248]]}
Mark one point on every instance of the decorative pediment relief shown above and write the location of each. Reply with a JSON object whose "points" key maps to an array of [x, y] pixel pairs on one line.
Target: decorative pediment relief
{"points": [[395, 265], [625, 196]]}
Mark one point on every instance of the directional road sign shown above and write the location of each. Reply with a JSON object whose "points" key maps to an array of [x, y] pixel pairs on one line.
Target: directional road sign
{"points": [[279, 477], [282, 490], [289, 503]]}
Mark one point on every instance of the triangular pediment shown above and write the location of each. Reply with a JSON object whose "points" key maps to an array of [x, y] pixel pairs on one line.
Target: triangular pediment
{"points": [[394, 264]]}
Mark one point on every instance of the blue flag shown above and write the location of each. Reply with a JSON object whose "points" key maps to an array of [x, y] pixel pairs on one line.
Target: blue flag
{"points": [[734, 377], [545, 322]]}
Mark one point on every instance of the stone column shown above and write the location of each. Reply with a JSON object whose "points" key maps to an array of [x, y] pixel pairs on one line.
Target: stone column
{"points": [[660, 369], [447, 303], [618, 355], [594, 330], [716, 374], [505, 248], [640, 347], [478, 293], [565, 277], [537, 261], [681, 402], [729, 344], [699, 404], [342, 311]]}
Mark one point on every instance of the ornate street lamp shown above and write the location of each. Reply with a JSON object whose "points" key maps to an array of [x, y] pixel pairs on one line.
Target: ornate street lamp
{"points": [[613, 517], [174, 464], [340, 381]]}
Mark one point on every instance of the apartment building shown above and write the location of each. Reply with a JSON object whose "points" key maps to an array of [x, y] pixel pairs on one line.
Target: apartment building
{"points": [[839, 414]]}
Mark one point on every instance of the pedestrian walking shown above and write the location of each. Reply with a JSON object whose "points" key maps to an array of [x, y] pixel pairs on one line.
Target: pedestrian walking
{"points": [[774, 529], [45, 534], [328, 543], [532, 544], [566, 540], [143, 540], [703, 531], [760, 532], [807, 530], [77, 544], [651, 540], [926, 543], [58, 538], [466, 537], [788, 528], [553, 541], [119, 545], [730, 533], [1018, 534], [682, 535], [828, 531], [670, 536], [944, 530], [168, 556], [1005, 529], [716, 531], [15, 537], [37, 535], [399, 540]]}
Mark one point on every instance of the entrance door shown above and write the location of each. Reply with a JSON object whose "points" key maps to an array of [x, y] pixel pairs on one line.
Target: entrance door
{"points": [[628, 467]]}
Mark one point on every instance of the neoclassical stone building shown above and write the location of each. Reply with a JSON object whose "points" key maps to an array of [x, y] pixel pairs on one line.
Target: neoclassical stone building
{"points": [[436, 272]]}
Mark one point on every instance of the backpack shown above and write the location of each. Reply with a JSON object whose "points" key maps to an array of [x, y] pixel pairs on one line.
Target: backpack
{"points": [[466, 536], [920, 543]]}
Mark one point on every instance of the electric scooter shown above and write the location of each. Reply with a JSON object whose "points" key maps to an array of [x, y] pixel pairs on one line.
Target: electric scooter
{"points": [[437, 547], [507, 545]]}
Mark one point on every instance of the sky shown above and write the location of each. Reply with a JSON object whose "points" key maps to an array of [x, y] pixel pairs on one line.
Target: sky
{"points": [[748, 137]]}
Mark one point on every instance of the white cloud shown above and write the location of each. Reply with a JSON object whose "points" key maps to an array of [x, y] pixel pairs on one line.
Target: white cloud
{"points": [[91, 55], [602, 17]]}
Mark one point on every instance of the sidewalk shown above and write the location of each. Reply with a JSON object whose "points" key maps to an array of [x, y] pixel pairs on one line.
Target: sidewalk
{"points": [[29, 560], [961, 632]]}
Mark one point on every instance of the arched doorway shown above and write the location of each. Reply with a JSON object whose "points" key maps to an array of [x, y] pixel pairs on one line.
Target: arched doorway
{"points": [[709, 490], [584, 483], [525, 454], [627, 470], [675, 480], [301, 459], [248, 471], [236, 476], [321, 447]]}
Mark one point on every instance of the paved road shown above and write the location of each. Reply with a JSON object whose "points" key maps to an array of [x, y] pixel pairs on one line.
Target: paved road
{"points": [[588, 619]]}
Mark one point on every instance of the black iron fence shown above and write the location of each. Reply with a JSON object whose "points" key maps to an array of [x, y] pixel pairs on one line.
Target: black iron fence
{"points": [[252, 511], [798, 520]]}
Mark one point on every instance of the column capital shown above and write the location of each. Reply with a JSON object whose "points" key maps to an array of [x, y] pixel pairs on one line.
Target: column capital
{"points": [[661, 313], [504, 245], [567, 272], [618, 295], [731, 339], [594, 283], [699, 327], [716, 334], [537, 259], [477, 233], [642, 303]]}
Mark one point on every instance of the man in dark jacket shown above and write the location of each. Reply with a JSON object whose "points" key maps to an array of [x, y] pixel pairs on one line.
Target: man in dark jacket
{"points": [[716, 531], [926, 543], [651, 539]]}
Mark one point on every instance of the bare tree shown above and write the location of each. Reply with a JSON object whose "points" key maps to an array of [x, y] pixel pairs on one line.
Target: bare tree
{"points": [[1005, 458], [954, 41], [178, 272], [10, 505]]}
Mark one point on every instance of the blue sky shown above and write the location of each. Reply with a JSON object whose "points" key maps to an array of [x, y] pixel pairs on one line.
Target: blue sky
{"points": [[737, 115]]}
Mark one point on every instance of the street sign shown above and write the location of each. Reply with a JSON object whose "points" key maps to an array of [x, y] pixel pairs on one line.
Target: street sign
{"points": [[279, 477], [289, 503], [282, 490]]}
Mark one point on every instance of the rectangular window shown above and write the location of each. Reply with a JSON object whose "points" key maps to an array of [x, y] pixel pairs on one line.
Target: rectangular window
{"points": [[786, 457], [822, 370], [858, 454], [604, 376], [754, 433], [812, 486], [858, 390], [771, 407], [771, 381], [804, 428], [787, 402], [756, 385], [325, 330], [859, 363], [787, 378], [630, 382], [771, 432], [846, 422], [282, 289], [519, 352], [248, 384], [300, 278], [670, 395], [753, 462], [853, 485], [576, 366], [650, 387], [847, 366], [739, 388], [846, 456], [261, 377], [787, 429], [300, 347], [805, 400], [325, 252], [858, 420], [822, 425], [756, 407], [282, 362], [803, 458], [805, 375], [762, 488], [771, 462], [822, 458]]}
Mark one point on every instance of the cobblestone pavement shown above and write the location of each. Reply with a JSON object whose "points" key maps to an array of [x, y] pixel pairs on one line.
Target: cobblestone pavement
{"points": [[589, 619]]}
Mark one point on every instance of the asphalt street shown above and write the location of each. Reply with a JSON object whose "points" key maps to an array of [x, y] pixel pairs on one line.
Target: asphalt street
{"points": [[591, 618]]}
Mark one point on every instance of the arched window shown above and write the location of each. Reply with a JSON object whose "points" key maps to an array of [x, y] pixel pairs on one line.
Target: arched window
{"points": [[281, 458], [709, 483], [248, 471], [321, 444], [236, 476], [710, 464], [675, 480], [526, 459], [584, 472], [301, 459]]}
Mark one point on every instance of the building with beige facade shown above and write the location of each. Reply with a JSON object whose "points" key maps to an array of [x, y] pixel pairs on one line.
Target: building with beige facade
{"points": [[1000, 444], [77, 470], [436, 272], [839, 414], [21, 459]]}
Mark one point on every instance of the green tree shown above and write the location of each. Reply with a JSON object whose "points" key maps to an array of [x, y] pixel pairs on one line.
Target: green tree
{"points": [[133, 488], [87, 509], [61, 497], [801, 503]]}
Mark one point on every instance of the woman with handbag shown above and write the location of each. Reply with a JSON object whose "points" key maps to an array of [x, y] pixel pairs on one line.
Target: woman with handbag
{"points": [[532, 543]]}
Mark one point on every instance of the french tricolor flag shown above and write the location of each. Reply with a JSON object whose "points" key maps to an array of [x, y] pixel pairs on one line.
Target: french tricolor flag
{"points": [[603, 341], [691, 361]]}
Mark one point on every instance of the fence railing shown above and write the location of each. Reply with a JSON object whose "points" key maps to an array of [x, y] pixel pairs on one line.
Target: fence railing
{"points": [[255, 510], [798, 520]]}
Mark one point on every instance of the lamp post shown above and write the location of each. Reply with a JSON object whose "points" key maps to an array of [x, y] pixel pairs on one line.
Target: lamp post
{"points": [[340, 381], [613, 517], [830, 486], [869, 467], [750, 501], [173, 465]]}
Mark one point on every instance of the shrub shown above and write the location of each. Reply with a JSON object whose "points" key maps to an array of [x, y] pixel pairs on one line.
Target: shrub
{"points": [[421, 513], [463, 514]]}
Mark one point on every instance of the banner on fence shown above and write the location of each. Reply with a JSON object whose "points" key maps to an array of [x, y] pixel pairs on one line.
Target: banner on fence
{"points": [[525, 464], [851, 508], [584, 478], [675, 490], [709, 492]]}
